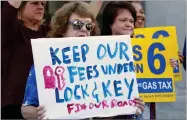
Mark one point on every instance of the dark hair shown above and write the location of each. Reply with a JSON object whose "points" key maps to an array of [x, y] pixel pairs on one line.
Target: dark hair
{"points": [[110, 13], [134, 1]]}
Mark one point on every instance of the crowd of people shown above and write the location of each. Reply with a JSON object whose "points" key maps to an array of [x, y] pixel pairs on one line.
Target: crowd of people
{"points": [[24, 20]]}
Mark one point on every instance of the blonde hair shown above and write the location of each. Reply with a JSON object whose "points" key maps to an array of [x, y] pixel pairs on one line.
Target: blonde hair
{"points": [[20, 10], [59, 22]]}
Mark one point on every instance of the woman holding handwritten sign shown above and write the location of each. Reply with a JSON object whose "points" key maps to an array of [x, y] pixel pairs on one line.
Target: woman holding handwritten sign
{"points": [[72, 20], [119, 19]]}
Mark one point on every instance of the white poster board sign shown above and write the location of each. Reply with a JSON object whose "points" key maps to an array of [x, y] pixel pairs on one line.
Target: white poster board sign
{"points": [[83, 77]]}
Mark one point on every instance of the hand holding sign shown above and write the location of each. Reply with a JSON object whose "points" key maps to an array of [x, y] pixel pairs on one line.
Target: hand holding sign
{"points": [[41, 111], [140, 104], [153, 48], [84, 78]]}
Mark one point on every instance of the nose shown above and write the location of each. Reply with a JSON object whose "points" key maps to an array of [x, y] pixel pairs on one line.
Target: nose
{"points": [[83, 29], [40, 5], [127, 24], [138, 14]]}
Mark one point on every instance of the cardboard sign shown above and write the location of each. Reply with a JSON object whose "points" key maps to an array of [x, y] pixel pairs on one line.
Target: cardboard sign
{"points": [[86, 76], [153, 48], [167, 35]]}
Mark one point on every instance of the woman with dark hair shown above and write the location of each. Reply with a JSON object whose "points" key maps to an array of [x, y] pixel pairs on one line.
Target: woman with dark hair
{"points": [[21, 21], [111, 16], [149, 112], [119, 19], [140, 15]]}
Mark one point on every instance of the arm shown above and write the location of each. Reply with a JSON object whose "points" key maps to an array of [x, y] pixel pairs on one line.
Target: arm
{"points": [[95, 7], [30, 102], [9, 28], [9, 21], [30, 108]]}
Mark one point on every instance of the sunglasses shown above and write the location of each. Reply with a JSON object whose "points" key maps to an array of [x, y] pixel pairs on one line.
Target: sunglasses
{"points": [[77, 25]]}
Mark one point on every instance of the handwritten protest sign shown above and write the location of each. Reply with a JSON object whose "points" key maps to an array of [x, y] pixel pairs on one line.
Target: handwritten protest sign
{"points": [[86, 76], [153, 48]]}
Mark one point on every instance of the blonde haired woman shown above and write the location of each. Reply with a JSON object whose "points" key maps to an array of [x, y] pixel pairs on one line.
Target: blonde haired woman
{"points": [[21, 21]]}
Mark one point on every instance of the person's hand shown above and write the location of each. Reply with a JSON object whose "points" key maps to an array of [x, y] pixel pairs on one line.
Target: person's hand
{"points": [[15, 3], [140, 104], [181, 57], [41, 112], [173, 62]]}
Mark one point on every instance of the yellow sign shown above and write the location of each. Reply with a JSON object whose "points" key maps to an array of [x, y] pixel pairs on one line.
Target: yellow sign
{"points": [[152, 50], [162, 33]]}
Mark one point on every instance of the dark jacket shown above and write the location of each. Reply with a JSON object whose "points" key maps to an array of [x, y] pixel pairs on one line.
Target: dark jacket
{"points": [[16, 55]]}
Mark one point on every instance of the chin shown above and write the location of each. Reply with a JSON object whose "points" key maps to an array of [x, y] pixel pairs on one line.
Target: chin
{"points": [[127, 33], [39, 19], [81, 35], [140, 26]]}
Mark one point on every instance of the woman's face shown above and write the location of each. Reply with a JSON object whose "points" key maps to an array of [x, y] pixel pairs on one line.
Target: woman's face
{"points": [[79, 26], [33, 11], [123, 23], [140, 16]]}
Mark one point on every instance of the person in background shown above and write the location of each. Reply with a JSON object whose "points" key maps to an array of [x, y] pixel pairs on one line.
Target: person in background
{"points": [[119, 18], [140, 23], [140, 14], [21, 21], [150, 110]]}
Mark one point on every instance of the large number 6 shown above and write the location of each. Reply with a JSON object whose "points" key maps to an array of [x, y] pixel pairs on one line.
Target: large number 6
{"points": [[151, 58]]}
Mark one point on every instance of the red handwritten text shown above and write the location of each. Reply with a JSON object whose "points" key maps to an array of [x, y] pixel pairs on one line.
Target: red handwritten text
{"points": [[104, 104]]}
